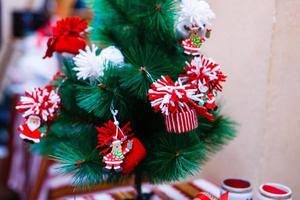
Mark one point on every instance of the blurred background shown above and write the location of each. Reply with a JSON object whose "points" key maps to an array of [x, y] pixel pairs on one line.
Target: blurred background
{"points": [[256, 41]]}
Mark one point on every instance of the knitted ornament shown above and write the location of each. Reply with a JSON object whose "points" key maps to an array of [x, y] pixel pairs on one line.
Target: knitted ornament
{"points": [[68, 36], [43, 102], [175, 101], [169, 97], [196, 12], [205, 75], [122, 152]]}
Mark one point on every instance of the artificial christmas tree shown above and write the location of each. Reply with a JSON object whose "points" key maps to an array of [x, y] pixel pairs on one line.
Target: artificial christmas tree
{"points": [[142, 66]]}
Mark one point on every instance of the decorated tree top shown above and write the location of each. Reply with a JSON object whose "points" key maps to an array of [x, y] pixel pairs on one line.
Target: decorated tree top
{"points": [[137, 97]]}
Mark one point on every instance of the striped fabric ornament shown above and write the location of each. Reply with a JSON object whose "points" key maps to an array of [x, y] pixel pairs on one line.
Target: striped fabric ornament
{"points": [[181, 122], [176, 102], [168, 96], [43, 102]]}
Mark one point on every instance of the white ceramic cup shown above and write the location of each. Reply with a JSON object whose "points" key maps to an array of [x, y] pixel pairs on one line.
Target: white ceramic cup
{"points": [[238, 189], [274, 191]]}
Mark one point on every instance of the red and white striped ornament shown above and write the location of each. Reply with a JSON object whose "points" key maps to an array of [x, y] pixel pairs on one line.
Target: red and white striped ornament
{"points": [[204, 73], [180, 122], [43, 102], [206, 76], [175, 101]]}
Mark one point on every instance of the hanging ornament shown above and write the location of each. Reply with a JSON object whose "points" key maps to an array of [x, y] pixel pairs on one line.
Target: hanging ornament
{"points": [[90, 65], [205, 75], [210, 100], [122, 152], [38, 106], [193, 23], [32, 130], [43, 102], [68, 36], [192, 44], [195, 12], [112, 54], [176, 102]]}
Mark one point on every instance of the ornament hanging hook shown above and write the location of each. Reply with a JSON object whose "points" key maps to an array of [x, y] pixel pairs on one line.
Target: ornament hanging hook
{"points": [[114, 112]]}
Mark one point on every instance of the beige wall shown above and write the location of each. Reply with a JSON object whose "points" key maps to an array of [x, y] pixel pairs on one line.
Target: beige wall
{"points": [[258, 43]]}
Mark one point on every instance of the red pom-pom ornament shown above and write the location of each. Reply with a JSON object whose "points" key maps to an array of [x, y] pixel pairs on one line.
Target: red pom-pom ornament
{"points": [[68, 36], [206, 76]]}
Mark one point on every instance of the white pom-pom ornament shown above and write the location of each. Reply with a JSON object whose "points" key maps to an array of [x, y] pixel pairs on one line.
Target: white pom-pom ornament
{"points": [[195, 12], [112, 54], [90, 66]]}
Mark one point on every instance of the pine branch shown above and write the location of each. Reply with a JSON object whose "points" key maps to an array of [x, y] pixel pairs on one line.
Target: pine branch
{"points": [[173, 157], [98, 98], [148, 63], [218, 134]]}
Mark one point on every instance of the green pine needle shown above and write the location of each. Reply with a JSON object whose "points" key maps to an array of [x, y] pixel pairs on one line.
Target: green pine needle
{"points": [[173, 156]]}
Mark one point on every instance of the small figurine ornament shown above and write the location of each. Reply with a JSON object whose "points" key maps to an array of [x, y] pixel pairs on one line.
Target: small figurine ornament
{"points": [[38, 106], [121, 151], [114, 159], [30, 130], [192, 44]]}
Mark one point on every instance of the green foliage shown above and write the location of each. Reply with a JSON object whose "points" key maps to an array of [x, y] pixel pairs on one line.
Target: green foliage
{"points": [[216, 134], [98, 98], [173, 156], [144, 32], [148, 63], [82, 160]]}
